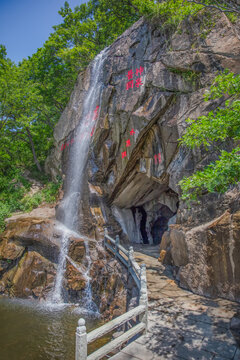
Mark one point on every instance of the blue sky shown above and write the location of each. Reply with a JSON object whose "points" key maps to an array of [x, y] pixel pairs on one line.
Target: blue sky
{"points": [[26, 24]]}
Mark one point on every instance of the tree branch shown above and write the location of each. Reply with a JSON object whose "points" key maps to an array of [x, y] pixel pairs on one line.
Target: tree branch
{"points": [[129, 2], [33, 150], [224, 10]]}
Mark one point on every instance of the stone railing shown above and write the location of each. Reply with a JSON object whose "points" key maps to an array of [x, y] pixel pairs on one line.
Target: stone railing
{"points": [[140, 312]]}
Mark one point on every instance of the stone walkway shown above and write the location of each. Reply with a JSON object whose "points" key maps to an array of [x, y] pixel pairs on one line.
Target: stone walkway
{"points": [[181, 325]]}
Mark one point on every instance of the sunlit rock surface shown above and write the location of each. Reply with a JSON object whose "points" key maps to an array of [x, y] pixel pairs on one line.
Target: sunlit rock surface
{"points": [[29, 250], [135, 163], [154, 80]]}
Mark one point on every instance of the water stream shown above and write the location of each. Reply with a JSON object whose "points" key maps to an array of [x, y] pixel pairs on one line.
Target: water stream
{"points": [[56, 296], [45, 330], [70, 205]]}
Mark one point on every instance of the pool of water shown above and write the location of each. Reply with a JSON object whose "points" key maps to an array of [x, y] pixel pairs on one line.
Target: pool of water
{"points": [[33, 331]]}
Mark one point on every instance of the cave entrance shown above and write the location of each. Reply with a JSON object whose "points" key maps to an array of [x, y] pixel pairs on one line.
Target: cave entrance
{"points": [[146, 223], [151, 225], [161, 222], [158, 228], [143, 225]]}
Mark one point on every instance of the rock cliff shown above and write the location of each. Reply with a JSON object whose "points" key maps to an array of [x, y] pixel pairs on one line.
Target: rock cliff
{"points": [[154, 79], [29, 250]]}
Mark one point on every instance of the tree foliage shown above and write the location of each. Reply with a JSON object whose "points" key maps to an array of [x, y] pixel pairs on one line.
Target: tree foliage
{"points": [[226, 6], [211, 131], [34, 92]]}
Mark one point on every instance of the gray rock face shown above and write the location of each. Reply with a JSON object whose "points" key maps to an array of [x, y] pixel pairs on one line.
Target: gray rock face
{"points": [[235, 327], [153, 82]]}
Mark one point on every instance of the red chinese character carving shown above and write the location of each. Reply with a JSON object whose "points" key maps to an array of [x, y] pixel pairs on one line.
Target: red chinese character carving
{"points": [[95, 113], [132, 132], [155, 157], [124, 154], [130, 74], [138, 82], [92, 130], [67, 144], [159, 158], [128, 143], [129, 84], [139, 71], [62, 147]]}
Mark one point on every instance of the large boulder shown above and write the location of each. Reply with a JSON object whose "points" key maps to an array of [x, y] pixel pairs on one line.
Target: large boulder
{"points": [[34, 234], [32, 277], [29, 252], [213, 258]]}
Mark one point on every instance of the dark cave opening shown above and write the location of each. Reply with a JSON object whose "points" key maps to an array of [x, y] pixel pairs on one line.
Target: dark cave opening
{"points": [[158, 228], [150, 223], [143, 225]]}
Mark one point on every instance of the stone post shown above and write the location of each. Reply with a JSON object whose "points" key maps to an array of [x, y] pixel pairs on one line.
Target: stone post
{"points": [[143, 295], [104, 240], [144, 301], [116, 246], [81, 341], [143, 277], [130, 257]]}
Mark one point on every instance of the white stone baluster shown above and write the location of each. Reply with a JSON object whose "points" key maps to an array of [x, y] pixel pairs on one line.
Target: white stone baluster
{"points": [[105, 239], [130, 257], [143, 277], [116, 246], [143, 295], [81, 341]]}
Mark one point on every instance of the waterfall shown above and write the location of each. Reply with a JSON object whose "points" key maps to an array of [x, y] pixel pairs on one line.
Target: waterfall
{"points": [[87, 300], [75, 175], [56, 296]]}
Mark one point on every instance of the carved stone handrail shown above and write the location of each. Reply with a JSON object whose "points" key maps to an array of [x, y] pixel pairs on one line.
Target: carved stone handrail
{"points": [[138, 274]]}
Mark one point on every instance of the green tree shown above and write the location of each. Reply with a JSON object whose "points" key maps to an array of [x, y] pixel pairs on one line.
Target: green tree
{"points": [[91, 27], [210, 132], [19, 100], [226, 6]]}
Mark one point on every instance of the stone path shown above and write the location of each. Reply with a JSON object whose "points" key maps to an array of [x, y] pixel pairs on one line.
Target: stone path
{"points": [[181, 325]]}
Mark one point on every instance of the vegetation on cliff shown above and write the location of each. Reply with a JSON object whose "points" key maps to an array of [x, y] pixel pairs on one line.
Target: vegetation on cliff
{"points": [[211, 131], [34, 93]]}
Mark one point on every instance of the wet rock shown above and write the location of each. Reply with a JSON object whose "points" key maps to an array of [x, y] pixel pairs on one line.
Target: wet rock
{"points": [[34, 234], [77, 249], [10, 251], [76, 281], [29, 278], [26, 273], [109, 284]]}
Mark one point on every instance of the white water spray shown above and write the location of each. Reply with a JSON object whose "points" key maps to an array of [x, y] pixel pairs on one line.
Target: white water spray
{"points": [[75, 174]]}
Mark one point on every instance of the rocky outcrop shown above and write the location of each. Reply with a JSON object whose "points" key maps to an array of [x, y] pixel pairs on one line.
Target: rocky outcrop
{"points": [[29, 251], [207, 256], [153, 80]]}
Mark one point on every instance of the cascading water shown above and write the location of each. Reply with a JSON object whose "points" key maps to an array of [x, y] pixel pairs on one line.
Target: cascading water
{"points": [[89, 304], [77, 163], [56, 296]]}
